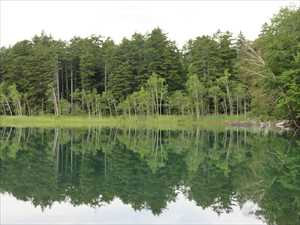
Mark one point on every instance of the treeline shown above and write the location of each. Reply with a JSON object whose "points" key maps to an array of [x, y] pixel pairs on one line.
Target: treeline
{"points": [[148, 74]]}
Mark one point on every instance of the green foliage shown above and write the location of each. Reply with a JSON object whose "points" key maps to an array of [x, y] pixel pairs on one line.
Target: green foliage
{"points": [[279, 43], [157, 90], [147, 74], [196, 91], [179, 103]]}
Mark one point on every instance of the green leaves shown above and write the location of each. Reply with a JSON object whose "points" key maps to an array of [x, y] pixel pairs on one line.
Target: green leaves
{"points": [[211, 74], [279, 43]]}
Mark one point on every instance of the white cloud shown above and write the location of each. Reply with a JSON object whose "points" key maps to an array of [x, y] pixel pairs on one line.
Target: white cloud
{"points": [[182, 20]]}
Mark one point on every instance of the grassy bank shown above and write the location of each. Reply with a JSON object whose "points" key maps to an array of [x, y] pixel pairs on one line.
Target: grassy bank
{"points": [[160, 122]]}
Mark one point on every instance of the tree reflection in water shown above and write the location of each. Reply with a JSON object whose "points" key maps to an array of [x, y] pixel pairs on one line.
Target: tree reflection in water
{"points": [[145, 168]]}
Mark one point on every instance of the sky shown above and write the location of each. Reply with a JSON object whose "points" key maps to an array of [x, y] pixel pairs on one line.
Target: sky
{"points": [[181, 211], [182, 20]]}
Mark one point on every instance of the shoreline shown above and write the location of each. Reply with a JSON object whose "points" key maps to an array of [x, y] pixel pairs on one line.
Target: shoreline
{"points": [[160, 122], [164, 122]]}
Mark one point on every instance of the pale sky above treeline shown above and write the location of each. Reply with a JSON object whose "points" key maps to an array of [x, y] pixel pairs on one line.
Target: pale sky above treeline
{"points": [[182, 20]]}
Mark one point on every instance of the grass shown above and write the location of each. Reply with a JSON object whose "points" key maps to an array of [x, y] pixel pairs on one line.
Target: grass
{"points": [[157, 122]]}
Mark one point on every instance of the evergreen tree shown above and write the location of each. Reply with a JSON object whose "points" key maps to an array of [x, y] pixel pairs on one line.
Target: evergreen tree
{"points": [[163, 58], [147, 74]]}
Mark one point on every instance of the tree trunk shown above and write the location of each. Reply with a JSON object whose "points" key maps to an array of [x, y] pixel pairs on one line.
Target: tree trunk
{"points": [[20, 107], [237, 105], [129, 112], [28, 108], [43, 106], [115, 108], [216, 105], [105, 78], [202, 107], [110, 111], [225, 106], [72, 90], [245, 108], [57, 90], [4, 109], [89, 109], [7, 103], [55, 102], [198, 110], [156, 101], [82, 99], [229, 99]]}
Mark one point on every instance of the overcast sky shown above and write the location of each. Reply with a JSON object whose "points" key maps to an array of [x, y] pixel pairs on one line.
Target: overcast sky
{"points": [[182, 20]]}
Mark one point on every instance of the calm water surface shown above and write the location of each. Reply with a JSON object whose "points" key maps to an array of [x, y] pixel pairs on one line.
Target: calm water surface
{"points": [[117, 176]]}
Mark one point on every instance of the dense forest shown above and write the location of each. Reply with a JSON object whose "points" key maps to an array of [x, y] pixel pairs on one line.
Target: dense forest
{"points": [[148, 74]]}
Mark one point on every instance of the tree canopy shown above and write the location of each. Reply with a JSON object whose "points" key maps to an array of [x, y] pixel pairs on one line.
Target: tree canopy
{"points": [[218, 74]]}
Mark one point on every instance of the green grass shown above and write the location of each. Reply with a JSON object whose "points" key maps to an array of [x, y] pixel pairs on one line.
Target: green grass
{"points": [[158, 122]]}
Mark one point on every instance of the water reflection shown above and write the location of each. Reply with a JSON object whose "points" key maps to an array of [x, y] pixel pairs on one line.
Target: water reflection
{"points": [[149, 169]]}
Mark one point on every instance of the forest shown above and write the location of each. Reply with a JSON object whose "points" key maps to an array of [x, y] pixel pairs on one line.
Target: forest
{"points": [[148, 74]]}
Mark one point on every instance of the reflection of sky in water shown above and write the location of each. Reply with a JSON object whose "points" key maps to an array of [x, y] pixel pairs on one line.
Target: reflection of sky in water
{"points": [[180, 212]]}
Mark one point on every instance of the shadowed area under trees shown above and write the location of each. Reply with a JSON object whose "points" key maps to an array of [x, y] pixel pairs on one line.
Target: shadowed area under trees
{"points": [[148, 74]]}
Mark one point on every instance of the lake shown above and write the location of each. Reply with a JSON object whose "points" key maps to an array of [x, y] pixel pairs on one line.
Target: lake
{"points": [[131, 176]]}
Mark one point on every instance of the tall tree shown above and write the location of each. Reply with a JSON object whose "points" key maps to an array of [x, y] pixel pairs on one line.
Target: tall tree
{"points": [[279, 44], [163, 58]]}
